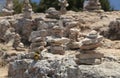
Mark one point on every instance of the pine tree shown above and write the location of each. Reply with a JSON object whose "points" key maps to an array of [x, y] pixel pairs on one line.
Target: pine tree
{"points": [[17, 6], [106, 5]]}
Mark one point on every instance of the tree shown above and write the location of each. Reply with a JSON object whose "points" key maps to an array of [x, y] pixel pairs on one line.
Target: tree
{"points": [[17, 6], [75, 5], [106, 5]]}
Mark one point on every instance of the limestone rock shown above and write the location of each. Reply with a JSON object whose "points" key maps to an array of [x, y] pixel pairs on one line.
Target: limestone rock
{"points": [[92, 41], [89, 58]]}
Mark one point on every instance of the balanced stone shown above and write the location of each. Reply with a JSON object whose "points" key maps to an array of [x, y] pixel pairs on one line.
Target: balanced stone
{"points": [[57, 41], [92, 41], [63, 4], [27, 9], [38, 40], [89, 54]]}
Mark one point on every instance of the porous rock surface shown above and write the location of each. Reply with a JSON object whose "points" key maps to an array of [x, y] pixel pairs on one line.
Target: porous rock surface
{"points": [[64, 66]]}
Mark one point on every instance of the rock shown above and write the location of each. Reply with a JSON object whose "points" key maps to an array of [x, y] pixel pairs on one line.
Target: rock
{"points": [[89, 57], [4, 26], [92, 41], [35, 34], [63, 4], [17, 44], [53, 13], [18, 68], [91, 5], [113, 31], [27, 9]]}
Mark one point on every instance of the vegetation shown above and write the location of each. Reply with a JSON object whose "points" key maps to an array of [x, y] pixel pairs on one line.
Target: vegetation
{"points": [[75, 5], [106, 5]]}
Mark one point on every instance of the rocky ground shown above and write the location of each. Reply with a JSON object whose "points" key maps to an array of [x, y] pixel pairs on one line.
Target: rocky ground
{"points": [[64, 66]]}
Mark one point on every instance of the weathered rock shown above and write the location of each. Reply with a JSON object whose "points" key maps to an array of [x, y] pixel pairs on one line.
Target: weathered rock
{"points": [[24, 28], [38, 40], [113, 31], [92, 41], [27, 9], [18, 68], [89, 58], [90, 5], [53, 13], [4, 26], [57, 41], [35, 34]]}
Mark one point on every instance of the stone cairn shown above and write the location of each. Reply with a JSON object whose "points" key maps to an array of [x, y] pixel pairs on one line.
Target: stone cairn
{"points": [[113, 31], [89, 53], [73, 36], [38, 40], [63, 4], [90, 5], [53, 13], [17, 44], [27, 9], [57, 41], [8, 9]]}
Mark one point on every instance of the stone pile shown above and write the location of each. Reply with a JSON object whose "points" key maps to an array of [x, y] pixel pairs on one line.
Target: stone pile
{"points": [[113, 31], [27, 9], [17, 44], [63, 4], [38, 40], [4, 26], [57, 41], [8, 9], [53, 13], [73, 36], [89, 53], [90, 5]]}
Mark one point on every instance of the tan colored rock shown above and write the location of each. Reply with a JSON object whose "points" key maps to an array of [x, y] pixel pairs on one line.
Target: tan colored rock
{"points": [[92, 41], [89, 57]]}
